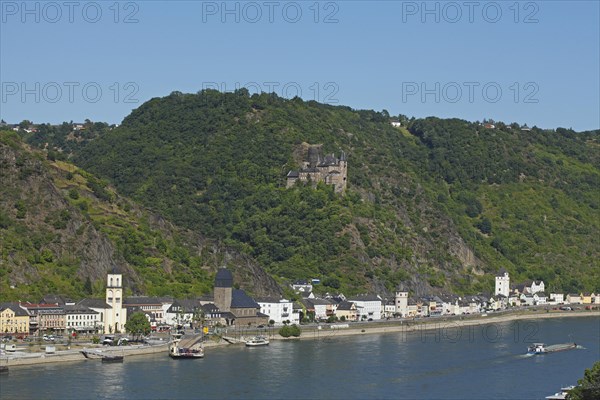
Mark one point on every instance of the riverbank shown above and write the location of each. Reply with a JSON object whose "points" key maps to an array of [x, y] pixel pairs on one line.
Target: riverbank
{"points": [[445, 324], [439, 323], [73, 355]]}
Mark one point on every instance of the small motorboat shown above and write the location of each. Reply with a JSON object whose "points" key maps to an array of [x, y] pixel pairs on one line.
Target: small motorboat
{"points": [[257, 341]]}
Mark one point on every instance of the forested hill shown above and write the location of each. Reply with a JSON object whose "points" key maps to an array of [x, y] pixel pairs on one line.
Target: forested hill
{"points": [[435, 205], [62, 229], [440, 204]]}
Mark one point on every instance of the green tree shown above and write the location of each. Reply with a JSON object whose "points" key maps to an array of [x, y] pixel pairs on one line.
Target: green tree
{"points": [[485, 225], [138, 325], [589, 385]]}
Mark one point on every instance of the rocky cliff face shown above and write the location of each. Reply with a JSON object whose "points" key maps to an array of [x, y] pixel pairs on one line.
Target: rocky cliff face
{"points": [[59, 236]]}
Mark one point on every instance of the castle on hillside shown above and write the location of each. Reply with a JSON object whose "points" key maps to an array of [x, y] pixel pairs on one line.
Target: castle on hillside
{"points": [[329, 169]]}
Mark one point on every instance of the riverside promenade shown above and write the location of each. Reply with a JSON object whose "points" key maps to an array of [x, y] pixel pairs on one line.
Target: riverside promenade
{"points": [[309, 332]]}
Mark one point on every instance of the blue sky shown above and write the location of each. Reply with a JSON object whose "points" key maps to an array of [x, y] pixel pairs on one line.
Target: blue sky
{"points": [[528, 62]]}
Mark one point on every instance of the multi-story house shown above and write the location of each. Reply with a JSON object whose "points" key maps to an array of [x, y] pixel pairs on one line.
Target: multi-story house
{"points": [[13, 319], [81, 319], [367, 306], [48, 317], [278, 310]]}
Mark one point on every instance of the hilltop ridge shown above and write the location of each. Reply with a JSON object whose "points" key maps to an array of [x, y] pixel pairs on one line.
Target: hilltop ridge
{"points": [[433, 205]]}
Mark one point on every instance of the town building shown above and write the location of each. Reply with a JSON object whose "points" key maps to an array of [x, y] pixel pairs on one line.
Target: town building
{"points": [[154, 307], [45, 318], [574, 298], [81, 319], [502, 283], [557, 298], [367, 306], [115, 316], [278, 310], [13, 319], [302, 286], [586, 298], [346, 310], [401, 303], [245, 310]]}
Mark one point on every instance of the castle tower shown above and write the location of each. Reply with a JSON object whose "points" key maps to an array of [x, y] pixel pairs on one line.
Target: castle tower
{"points": [[223, 289], [116, 316], [402, 303], [343, 171], [502, 283]]}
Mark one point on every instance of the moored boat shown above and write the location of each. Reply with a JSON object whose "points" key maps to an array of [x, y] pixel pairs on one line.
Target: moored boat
{"points": [[257, 341], [177, 351], [186, 352]]}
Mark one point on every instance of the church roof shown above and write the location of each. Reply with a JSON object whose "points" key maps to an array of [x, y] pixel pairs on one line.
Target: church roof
{"points": [[239, 299], [94, 303], [224, 278]]}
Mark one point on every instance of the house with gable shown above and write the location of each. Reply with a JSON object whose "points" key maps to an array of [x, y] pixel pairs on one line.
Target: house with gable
{"points": [[367, 306]]}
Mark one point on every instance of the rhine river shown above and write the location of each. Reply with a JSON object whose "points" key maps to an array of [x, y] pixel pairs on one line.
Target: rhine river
{"points": [[482, 362]]}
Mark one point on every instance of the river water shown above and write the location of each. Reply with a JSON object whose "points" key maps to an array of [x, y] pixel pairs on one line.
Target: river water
{"points": [[484, 362]]}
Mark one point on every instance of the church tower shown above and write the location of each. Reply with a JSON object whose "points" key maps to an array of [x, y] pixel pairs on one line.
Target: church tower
{"points": [[223, 289], [116, 315]]}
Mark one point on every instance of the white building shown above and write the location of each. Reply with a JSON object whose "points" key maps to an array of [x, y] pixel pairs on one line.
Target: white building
{"points": [[278, 310], [367, 306], [115, 316], [388, 308], [557, 298], [540, 298], [323, 308], [574, 298], [302, 287], [537, 286], [502, 283], [82, 319]]}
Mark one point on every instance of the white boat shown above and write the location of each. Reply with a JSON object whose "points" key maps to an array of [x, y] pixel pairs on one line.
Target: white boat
{"points": [[257, 341], [562, 394]]}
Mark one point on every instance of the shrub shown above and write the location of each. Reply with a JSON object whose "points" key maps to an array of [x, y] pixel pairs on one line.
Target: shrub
{"points": [[285, 331]]}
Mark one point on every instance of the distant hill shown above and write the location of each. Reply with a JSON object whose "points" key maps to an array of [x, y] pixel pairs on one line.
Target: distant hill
{"points": [[433, 205], [63, 229]]}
